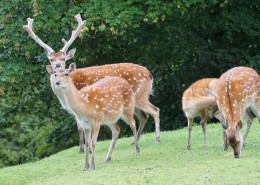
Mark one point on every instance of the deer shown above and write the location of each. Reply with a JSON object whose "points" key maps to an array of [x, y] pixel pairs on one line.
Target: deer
{"points": [[237, 90], [102, 103], [211, 91], [138, 77], [195, 102], [58, 63]]}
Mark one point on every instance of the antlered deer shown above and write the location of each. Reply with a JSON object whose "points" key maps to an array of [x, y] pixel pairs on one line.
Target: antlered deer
{"points": [[137, 76], [195, 102], [58, 62], [102, 103], [237, 90]]}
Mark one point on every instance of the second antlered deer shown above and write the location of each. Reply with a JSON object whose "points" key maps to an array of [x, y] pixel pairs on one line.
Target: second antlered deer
{"points": [[237, 90], [137, 76], [102, 103]]}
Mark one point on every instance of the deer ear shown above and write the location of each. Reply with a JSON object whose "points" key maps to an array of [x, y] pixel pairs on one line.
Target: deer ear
{"points": [[239, 125], [50, 69], [72, 67], [221, 119], [219, 116], [70, 54]]}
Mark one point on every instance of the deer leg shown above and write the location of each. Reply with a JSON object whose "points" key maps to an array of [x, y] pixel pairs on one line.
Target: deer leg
{"points": [[115, 132], [226, 145], [89, 140], [87, 132], [249, 120], [95, 132], [149, 108], [131, 122], [203, 124], [143, 117], [81, 138], [190, 120]]}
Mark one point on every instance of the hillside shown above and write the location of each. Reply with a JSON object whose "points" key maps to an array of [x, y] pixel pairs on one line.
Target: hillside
{"points": [[166, 163]]}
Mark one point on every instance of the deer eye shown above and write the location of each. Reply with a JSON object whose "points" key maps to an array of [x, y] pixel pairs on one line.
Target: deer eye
{"points": [[55, 75], [66, 74]]}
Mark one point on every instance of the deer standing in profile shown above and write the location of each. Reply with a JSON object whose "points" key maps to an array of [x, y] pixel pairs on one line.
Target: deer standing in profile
{"points": [[102, 103], [237, 90], [137, 76], [195, 102]]}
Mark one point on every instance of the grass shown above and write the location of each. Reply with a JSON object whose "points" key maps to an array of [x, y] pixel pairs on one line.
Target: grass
{"points": [[166, 163]]}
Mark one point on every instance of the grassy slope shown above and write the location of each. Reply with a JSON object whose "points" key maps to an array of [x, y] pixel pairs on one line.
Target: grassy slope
{"points": [[166, 163]]}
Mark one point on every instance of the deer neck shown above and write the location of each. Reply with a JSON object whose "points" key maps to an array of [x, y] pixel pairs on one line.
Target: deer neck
{"points": [[74, 98]]}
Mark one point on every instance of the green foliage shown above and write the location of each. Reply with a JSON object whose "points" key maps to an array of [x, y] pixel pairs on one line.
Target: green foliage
{"points": [[166, 163], [178, 41]]}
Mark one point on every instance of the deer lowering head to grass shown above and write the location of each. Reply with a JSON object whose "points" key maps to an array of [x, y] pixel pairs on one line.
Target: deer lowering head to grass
{"points": [[211, 91], [237, 90], [137, 76], [195, 102], [102, 103]]}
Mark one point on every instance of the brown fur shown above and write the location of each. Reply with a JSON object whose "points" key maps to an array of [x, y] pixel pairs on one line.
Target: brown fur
{"points": [[195, 102]]}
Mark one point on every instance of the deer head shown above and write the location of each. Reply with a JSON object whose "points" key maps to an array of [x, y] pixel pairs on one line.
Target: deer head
{"points": [[57, 59], [62, 79]]}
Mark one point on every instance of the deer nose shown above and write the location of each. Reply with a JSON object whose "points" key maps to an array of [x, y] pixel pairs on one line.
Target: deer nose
{"points": [[58, 65], [236, 155], [57, 83]]}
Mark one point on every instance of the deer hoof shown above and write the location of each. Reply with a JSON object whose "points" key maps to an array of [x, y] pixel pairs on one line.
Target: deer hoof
{"points": [[157, 140], [92, 168], [81, 151], [107, 160], [244, 143]]}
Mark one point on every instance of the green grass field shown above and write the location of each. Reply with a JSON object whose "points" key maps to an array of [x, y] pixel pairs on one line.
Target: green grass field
{"points": [[166, 163]]}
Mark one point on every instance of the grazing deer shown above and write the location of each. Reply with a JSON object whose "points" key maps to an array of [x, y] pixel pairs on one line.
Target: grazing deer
{"points": [[102, 103], [211, 91], [237, 90], [137, 76], [195, 102]]}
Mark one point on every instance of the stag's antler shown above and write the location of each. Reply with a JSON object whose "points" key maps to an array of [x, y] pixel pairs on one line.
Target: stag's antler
{"points": [[74, 34], [28, 28]]}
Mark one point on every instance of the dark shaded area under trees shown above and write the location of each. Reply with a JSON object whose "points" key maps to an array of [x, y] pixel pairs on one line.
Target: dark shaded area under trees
{"points": [[179, 42]]}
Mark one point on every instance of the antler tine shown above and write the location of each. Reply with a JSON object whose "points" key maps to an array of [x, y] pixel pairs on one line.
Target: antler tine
{"points": [[74, 34], [64, 41], [28, 28]]}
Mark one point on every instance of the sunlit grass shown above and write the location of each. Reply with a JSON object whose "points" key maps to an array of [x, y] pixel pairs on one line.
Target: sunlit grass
{"points": [[166, 163]]}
